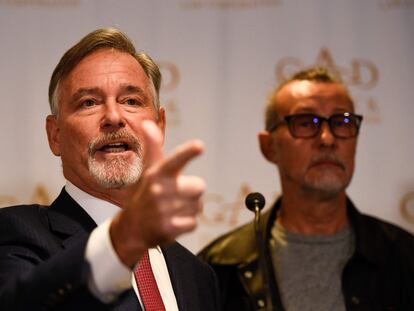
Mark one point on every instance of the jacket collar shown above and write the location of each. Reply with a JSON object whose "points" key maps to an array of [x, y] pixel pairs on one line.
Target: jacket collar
{"points": [[181, 275], [368, 242], [67, 217], [366, 233]]}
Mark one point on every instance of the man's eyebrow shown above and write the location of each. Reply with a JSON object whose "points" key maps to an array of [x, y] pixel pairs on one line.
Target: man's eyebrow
{"points": [[124, 89], [129, 89], [85, 91]]}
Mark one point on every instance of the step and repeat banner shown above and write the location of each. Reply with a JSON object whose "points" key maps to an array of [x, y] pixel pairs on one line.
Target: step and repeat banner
{"points": [[220, 59]]}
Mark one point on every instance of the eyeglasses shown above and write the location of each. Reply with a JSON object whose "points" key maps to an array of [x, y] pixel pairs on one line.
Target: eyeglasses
{"points": [[306, 125]]}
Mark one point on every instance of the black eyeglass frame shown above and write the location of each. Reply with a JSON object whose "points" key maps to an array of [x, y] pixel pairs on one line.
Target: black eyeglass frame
{"points": [[288, 120]]}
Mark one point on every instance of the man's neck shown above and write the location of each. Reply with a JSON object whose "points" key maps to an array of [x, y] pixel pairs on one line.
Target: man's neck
{"points": [[116, 196], [312, 214]]}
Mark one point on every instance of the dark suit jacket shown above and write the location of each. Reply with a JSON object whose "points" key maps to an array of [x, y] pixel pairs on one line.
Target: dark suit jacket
{"points": [[43, 267]]}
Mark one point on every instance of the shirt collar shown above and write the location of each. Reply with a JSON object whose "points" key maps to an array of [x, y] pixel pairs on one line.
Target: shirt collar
{"points": [[99, 210]]}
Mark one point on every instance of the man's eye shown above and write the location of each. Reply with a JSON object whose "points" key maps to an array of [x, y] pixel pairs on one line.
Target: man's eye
{"points": [[346, 122], [340, 122], [131, 102], [306, 123], [88, 103]]}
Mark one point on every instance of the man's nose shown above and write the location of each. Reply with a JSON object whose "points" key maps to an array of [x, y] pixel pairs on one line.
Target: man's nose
{"points": [[113, 116], [326, 135]]}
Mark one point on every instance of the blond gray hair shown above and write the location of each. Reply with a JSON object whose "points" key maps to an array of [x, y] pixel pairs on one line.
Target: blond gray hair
{"points": [[100, 39]]}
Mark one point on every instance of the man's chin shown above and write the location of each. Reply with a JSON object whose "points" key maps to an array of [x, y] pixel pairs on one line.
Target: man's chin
{"points": [[328, 185], [115, 181], [116, 173], [112, 184]]}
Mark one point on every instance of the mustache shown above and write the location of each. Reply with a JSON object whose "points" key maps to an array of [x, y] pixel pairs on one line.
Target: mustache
{"points": [[120, 135], [327, 158]]}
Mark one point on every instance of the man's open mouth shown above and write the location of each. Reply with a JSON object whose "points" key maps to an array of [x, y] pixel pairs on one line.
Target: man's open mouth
{"points": [[114, 143], [115, 147], [328, 163]]}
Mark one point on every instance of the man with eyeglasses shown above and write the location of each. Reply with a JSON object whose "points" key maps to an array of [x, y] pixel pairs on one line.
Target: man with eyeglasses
{"points": [[321, 253]]}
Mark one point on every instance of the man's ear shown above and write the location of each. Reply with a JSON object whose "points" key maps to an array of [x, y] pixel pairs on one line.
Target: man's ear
{"points": [[52, 130], [267, 146], [161, 121]]}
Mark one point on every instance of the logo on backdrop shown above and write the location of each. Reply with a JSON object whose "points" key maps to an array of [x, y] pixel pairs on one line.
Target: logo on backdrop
{"points": [[221, 213], [39, 196], [228, 4], [218, 211], [170, 82], [360, 74], [50, 3]]}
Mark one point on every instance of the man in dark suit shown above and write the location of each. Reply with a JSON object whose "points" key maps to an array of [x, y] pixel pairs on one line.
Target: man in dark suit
{"points": [[107, 241]]}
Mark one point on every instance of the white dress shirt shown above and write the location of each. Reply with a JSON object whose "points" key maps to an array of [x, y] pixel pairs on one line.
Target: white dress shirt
{"points": [[110, 277]]}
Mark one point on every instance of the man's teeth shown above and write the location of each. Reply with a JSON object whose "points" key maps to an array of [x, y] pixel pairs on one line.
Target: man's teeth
{"points": [[115, 147]]}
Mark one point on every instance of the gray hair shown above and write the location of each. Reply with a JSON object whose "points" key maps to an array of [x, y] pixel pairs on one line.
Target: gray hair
{"points": [[100, 39]]}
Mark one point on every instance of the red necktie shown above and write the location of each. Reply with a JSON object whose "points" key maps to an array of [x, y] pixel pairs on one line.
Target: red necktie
{"points": [[147, 286]]}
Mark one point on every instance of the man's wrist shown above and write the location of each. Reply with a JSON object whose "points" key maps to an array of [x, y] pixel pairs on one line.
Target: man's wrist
{"points": [[109, 276], [128, 248]]}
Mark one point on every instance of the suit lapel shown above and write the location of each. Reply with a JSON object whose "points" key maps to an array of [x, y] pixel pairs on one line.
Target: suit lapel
{"points": [[68, 219], [181, 276]]}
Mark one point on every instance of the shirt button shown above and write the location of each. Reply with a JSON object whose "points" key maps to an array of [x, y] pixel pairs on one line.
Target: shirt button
{"points": [[355, 300], [248, 274], [68, 286]]}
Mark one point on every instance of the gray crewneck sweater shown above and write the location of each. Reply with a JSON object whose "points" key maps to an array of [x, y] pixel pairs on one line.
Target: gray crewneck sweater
{"points": [[309, 268]]}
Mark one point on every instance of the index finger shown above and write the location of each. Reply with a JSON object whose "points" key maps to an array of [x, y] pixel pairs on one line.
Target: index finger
{"points": [[179, 158], [153, 147]]}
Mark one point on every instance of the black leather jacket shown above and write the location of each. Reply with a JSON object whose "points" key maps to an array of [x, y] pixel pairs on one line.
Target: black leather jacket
{"points": [[379, 275]]}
